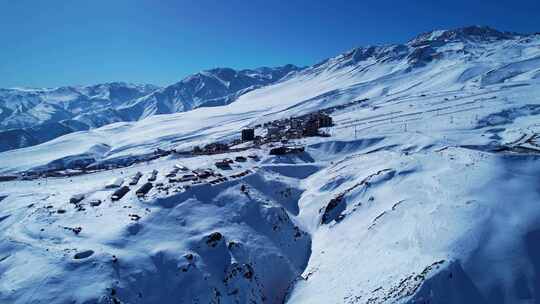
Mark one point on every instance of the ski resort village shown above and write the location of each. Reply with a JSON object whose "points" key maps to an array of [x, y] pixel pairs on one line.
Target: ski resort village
{"points": [[404, 173]]}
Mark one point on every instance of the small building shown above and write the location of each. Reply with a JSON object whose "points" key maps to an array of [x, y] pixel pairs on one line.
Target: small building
{"points": [[293, 133], [324, 120], [135, 178], [287, 150], [153, 175], [223, 164], [181, 167], [197, 150], [272, 131], [118, 194], [296, 123], [216, 147], [278, 151], [95, 202], [311, 128], [296, 149], [77, 198], [316, 121], [321, 119], [172, 173], [144, 189], [202, 173], [173, 180], [188, 177], [248, 134], [240, 159]]}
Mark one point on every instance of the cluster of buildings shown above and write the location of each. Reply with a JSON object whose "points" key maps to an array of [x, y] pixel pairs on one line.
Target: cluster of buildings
{"points": [[280, 130], [290, 128]]}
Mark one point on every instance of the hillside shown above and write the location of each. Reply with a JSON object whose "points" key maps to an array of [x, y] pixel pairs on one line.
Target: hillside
{"points": [[33, 116], [424, 190], [214, 87]]}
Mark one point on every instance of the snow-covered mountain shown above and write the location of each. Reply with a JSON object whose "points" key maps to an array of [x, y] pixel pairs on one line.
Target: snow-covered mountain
{"points": [[32, 116], [22, 108], [425, 191], [214, 87]]}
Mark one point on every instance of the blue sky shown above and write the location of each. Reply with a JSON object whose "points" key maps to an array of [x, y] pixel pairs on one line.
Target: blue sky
{"points": [[61, 42]]}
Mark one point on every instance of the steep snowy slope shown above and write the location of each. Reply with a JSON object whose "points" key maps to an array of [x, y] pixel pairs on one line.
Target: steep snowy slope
{"points": [[208, 88], [426, 191], [434, 226]]}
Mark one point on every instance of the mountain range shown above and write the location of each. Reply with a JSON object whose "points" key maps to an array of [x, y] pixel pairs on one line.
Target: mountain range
{"points": [[423, 190], [32, 116]]}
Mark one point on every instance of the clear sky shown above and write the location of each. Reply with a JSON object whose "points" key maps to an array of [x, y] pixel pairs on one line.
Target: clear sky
{"points": [[47, 43]]}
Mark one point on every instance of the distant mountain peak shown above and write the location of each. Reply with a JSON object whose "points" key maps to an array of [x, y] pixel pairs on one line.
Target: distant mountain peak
{"points": [[421, 49], [212, 87], [226, 74], [474, 33]]}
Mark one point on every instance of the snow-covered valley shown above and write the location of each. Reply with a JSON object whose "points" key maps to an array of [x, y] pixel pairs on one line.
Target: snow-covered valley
{"points": [[424, 190]]}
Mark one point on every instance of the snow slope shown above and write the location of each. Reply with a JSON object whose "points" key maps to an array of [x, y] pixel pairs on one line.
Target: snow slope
{"points": [[214, 87], [425, 192], [33, 116]]}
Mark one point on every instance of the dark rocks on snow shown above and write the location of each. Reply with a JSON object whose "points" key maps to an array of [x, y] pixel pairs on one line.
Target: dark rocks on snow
{"points": [[406, 287], [298, 233], [333, 209], [236, 270], [83, 254], [189, 257], [75, 230], [423, 55], [233, 245], [213, 239], [248, 271]]}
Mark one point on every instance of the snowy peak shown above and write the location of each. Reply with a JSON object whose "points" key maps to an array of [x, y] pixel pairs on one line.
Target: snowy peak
{"points": [[213, 87], [238, 79], [465, 34], [118, 91], [391, 52], [32, 116], [22, 107], [419, 51]]}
